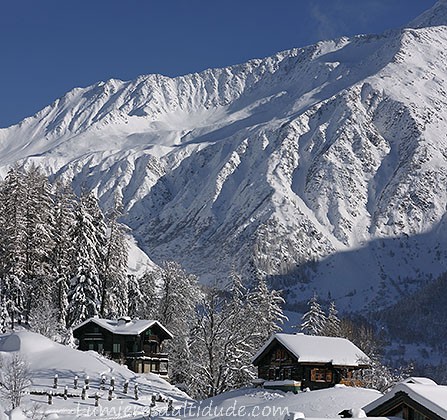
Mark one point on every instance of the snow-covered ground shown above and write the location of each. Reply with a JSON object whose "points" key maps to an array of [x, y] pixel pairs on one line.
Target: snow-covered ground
{"points": [[273, 405], [47, 359]]}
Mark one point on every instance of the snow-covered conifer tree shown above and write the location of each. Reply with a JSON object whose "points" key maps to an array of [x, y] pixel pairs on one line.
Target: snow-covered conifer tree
{"points": [[115, 293], [38, 214], [4, 316], [64, 210], [268, 313], [332, 327], [136, 302], [87, 261], [144, 294], [13, 233], [314, 320]]}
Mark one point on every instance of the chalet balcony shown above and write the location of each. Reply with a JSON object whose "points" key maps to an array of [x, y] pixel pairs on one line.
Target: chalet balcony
{"points": [[141, 362], [140, 354]]}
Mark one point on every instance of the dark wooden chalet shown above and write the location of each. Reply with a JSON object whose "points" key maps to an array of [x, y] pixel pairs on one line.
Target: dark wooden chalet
{"points": [[412, 399], [297, 361], [136, 343]]}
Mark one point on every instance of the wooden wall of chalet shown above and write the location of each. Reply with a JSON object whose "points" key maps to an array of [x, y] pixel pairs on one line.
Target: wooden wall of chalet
{"points": [[279, 364]]}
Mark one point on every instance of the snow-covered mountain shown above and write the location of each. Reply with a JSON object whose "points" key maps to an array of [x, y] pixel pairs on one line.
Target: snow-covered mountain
{"points": [[323, 166]]}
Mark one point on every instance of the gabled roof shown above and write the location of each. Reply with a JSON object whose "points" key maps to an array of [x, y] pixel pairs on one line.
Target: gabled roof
{"points": [[423, 391], [125, 326], [318, 349]]}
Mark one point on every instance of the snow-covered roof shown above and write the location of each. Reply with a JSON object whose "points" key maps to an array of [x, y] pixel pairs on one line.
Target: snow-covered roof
{"points": [[125, 325], [422, 390], [319, 349], [419, 380]]}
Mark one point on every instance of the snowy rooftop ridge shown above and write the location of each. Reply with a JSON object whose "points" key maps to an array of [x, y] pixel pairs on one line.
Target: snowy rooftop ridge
{"points": [[124, 325], [422, 390], [319, 349]]}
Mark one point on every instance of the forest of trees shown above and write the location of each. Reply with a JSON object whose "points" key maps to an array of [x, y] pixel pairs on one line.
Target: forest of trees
{"points": [[62, 260]]}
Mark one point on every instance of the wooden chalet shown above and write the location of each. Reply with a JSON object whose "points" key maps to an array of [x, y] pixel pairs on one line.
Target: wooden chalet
{"points": [[296, 361], [136, 343], [412, 399]]}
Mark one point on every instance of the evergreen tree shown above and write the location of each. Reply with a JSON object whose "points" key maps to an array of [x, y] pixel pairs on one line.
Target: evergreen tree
{"points": [[13, 232], [62, 252], [14, 298], [136, 299], [332, 327], [267, 310], [314, 320], [87, 261], [4, 316], [115, 290], [144, 300], [38, 238], [13, 197]]}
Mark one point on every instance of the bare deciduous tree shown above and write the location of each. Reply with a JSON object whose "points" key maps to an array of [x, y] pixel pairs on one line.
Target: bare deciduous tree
{"points": [[14, 379]]}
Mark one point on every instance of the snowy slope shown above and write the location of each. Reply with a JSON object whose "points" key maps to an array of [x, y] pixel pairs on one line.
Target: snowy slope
{"points": [[272, 404], [47, 359], [324, 167]]}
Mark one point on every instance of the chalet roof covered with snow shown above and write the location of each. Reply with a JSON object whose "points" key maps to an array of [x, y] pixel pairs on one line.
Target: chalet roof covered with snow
{"points": [[318, 349], [423, 391], [125, 325]]}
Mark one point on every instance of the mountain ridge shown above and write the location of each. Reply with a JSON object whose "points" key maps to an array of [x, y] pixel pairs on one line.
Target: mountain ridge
{"points": [[291, 165]]}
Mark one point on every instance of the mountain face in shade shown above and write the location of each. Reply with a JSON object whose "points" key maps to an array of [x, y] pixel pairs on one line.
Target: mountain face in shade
{"points": [[324, 167]]}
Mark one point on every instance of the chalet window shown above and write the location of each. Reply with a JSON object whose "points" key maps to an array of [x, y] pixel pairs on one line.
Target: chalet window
{"points": [[116, 348], [164, 367], [288, 373], [91, 346], [100, 347], [279, 354], [321, 375]]}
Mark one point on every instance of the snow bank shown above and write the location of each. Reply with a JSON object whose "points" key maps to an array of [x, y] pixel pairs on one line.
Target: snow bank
{"points": [[277, 405], [17, 414], [47, 359]]}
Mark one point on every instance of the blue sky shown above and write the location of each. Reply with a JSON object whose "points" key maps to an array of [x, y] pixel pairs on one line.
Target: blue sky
{"points": [[48, 47]]}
